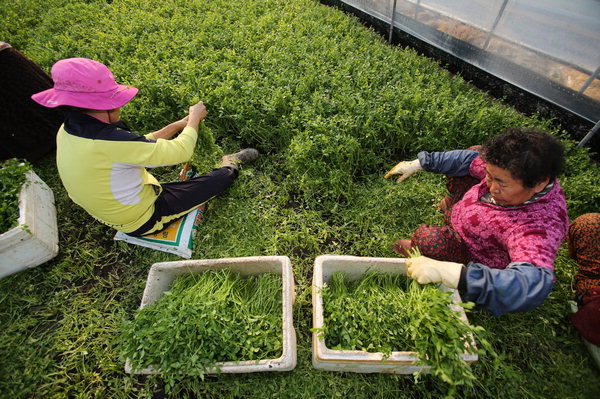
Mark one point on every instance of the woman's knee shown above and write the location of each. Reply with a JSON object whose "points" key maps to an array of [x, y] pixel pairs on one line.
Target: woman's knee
{"points": [[585, 229]]}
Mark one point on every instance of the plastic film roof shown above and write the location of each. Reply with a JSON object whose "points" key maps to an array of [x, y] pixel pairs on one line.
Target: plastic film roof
{"points": [[550, 48]]}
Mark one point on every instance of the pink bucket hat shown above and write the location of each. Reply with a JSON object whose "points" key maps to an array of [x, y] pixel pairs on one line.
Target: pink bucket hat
{"points": [[84, 83]]}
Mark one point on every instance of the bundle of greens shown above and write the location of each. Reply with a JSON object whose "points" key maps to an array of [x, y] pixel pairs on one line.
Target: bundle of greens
{"points": [[215, 316], [12, 178], [207, 152], [387, 313]]}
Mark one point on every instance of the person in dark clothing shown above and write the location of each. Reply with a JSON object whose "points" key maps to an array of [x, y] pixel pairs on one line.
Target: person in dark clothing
{"points": [[28, 130]]}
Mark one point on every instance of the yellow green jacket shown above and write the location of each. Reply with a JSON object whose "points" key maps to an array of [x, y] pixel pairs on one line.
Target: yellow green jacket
{"points": [[103, 168]]}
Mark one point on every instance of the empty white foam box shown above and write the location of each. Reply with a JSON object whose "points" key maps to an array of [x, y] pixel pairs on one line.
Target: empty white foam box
{"points": [[162, 274], [362, 361], [35, 239]]}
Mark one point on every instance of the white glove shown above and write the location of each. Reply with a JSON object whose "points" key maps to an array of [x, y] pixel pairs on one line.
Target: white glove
{"points": [[426, 270], [404, 168]]}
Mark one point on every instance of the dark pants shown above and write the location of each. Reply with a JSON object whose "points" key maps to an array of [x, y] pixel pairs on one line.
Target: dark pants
{"points": [[179, 198]]}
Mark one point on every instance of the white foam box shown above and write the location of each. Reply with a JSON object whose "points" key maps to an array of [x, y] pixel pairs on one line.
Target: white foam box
{"points": [[162, 274], [362, 361], [35, 239]]}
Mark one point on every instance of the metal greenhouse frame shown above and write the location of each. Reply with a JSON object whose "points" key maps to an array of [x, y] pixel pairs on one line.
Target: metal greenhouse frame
{"points": [[549, 48]]}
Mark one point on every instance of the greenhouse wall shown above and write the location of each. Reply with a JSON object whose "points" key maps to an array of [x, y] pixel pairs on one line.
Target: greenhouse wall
{"points": [[550, 48]]}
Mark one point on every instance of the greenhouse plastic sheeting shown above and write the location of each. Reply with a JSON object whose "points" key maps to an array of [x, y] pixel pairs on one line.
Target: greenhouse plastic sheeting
{"points": [[550, 48]]}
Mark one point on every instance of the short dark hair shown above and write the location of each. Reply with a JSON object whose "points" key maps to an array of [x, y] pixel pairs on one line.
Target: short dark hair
{"points": [[529, 155], [70, 108]]}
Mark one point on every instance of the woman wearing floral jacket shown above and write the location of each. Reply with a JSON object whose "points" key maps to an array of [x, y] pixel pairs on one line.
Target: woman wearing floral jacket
{"points": [[505, 218]]}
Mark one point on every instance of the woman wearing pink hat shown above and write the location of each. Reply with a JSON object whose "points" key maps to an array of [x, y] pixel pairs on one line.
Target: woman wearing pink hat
{"points": [[102, 163]]}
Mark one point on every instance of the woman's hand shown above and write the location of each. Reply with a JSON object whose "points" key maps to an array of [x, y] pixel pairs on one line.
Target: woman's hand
{"points": [[426, 270], [197, 113], [405, 169]]}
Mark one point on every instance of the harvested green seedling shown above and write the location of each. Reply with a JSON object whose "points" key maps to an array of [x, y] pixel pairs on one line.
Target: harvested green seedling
{"points": [[391, 312], [204, 319], [12, 178]]}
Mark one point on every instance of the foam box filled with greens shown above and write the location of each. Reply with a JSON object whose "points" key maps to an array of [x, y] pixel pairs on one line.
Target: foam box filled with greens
{"points": [[354, 336], [228, 315], [29, 215]]}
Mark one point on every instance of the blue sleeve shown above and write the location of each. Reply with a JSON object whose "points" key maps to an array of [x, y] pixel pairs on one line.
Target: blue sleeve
{"points": [[449, 163], [518, 288]]}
